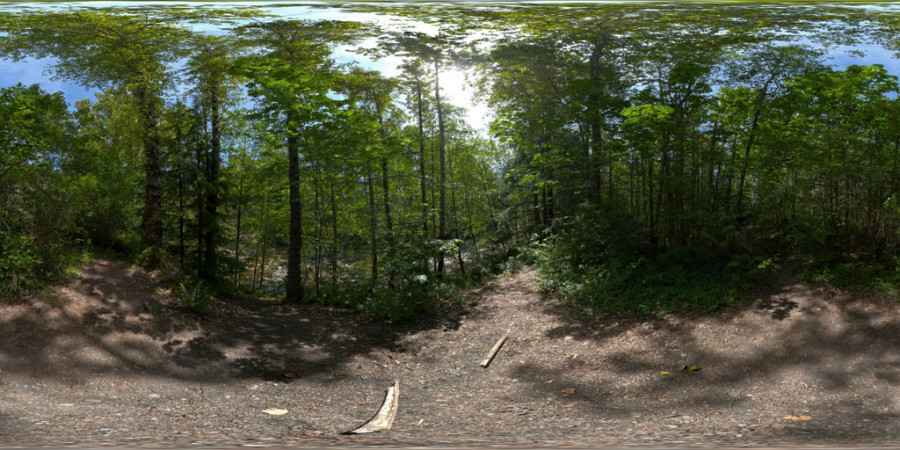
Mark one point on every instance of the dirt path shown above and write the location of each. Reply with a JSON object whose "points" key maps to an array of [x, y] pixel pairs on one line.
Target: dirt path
{"points": [[111, 359]]}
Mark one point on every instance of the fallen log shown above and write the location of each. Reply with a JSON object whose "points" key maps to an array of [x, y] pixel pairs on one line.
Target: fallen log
{"points": [[384, 418], [491, 354]]}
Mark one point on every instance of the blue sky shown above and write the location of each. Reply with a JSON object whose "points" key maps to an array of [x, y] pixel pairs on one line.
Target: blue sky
{"points": [[34, 71]]}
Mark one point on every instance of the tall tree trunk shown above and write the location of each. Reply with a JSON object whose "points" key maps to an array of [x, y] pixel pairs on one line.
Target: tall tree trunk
{"points": [[434, 201], [211, 229], [237, 233], [750, 139], [422, 162], [442, 230], [593, 104], [200, 156], [372, 226], [457, 229], [654, 243], [550, 212], [151, 223], [334, 233], [253, 278], [265, 243], [294, 283], [180, 214], [319, 224], [387, 205], [471, 227], [434, 222]]}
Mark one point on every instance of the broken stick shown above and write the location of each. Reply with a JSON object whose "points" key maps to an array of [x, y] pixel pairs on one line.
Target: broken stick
{"points": [[384, 418], [491, 354]]}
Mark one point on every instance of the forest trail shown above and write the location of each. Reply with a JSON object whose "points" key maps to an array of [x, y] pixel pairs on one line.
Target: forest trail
{"points": [[111, 358]]}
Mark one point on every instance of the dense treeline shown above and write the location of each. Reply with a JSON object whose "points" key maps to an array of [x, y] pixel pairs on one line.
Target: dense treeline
{"points": [[259, 164], [668, 159], [651, 158]]}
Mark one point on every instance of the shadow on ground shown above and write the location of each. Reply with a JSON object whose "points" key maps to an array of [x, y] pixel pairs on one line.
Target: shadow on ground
{"points": [[795, 351], [115, 318]]}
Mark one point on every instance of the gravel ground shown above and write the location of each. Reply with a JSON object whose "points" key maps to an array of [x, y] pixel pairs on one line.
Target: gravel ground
{"points": [[111, 359]]}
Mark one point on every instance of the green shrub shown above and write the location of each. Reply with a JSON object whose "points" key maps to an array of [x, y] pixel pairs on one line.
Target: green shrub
{"points": [[600, 263], [678, 280], [20, 263], [196, 300]]}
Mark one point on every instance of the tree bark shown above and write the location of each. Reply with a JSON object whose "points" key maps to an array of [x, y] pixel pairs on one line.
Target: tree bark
{"points": [[372, 226], [151, 224], [237, 233], [319, 225], [211, 229], [750, 140], [334, 232], [200, 157], [422, 162], [265, 244], [593, 104], [294, 283], [387, 205], [442, 216]]}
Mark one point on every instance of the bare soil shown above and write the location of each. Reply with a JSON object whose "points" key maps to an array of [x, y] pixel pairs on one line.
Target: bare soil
{"points": [[112, 359]]}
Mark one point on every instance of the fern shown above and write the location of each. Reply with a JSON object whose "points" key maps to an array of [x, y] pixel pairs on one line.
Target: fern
{"points": [[196, 300]]}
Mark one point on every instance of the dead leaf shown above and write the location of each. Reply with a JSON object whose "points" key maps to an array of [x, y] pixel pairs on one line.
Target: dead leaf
{"points": [[288, 374], [548, 382], [576, 403], [569, 391], [275, 411], [793, 417]]}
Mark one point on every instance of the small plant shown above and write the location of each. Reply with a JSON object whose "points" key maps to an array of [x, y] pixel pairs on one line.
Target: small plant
{"points": [[196, 300], [49, 297]]}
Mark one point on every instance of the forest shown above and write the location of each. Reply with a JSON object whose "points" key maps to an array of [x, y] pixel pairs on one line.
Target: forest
{"points": [[644, 158]]}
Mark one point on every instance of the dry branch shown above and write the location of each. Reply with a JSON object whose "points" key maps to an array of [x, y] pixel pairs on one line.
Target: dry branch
{"points": [[491, 354], [384, 418]]}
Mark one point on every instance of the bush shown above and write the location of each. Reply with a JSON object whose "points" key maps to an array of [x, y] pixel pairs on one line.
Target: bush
{"points": [[196, 300], [599, 264], [678, 280], [20, 263]]}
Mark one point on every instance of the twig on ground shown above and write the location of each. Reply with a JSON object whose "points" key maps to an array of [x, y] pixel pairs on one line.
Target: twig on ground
{"points": [[491, 354]]}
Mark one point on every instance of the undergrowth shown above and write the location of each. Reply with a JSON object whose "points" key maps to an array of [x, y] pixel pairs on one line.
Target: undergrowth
{"points": [[849, 272], [678, 280], [408, 290], [24, 266], [598, 264]]}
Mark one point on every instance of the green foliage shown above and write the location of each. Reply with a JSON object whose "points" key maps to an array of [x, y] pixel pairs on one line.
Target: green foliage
{"points": [[411, 297], [19, 262], [657, 163], [594, 265], [196, 300], [678, 280]]}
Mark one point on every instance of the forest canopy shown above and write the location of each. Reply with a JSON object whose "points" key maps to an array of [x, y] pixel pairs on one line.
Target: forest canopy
{"points": [[644, 157]]}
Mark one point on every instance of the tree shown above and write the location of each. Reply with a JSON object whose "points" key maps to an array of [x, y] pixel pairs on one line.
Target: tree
{"points": [[35, 214], [207, 68], [293, 79], [101, 49]]}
